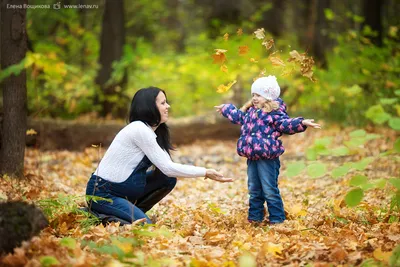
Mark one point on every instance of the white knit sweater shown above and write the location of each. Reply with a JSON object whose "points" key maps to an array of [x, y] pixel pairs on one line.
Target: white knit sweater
{"points": [[129, 147]]}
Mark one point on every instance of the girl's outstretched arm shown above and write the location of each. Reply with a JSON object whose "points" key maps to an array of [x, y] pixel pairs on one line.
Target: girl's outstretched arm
{"points": [[311, 123], [229, 111], [287, 125]]}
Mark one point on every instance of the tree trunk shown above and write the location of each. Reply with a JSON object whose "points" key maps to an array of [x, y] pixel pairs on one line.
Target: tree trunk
{"points": [[13, 50], [317, 31], [373, 18], [273, 19], [111, 49]]}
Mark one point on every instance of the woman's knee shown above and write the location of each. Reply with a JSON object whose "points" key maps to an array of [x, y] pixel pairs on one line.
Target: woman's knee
{"points": [[171, 182]]}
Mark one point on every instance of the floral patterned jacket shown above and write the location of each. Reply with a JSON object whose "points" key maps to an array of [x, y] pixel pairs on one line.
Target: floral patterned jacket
{"points": [[260, 130]]}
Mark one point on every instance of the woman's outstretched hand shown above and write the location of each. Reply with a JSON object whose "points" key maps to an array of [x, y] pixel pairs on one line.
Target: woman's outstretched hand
{"points": [[218, 108], [217, 176], [310, 122]]}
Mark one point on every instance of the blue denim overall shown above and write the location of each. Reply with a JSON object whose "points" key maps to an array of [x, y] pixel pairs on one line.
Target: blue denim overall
{"points": [[132, 198]]}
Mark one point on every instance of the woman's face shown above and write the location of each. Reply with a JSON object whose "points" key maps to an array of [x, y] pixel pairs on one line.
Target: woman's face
{"points": [[258, 101], [162, 105]]}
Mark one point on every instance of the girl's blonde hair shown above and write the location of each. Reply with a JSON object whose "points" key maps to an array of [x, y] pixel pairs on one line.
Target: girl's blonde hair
{"points": [[269, 106]]}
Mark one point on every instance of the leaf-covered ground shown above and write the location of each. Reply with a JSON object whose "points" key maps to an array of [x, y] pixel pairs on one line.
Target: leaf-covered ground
{"points": [[204, 223]]}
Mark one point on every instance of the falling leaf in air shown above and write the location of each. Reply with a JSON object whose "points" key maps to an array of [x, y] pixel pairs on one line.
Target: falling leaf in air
{"points": [[226, 36], [219, 56], [224, 68], [261, 74], [225, 88], [276, 61], [268, 44], [239, 32], [306, 63], [243, 50], [260, 33], [31, 132]]}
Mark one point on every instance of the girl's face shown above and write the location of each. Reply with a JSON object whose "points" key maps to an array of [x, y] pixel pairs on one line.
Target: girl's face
{"points": [[258, 101], [162, 105]]}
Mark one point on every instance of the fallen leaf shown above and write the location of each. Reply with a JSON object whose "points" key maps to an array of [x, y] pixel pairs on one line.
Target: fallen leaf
{"points": [[276, 61], [260, 33], [225, 88], [243, 50], [219, 56], [382, 256], [226, 36], [31, 132], [224, 68], [268, 43]]}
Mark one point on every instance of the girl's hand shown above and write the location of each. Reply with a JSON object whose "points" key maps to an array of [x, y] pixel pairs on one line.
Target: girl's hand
{"points": [[217, 176], [310, 122], [218, 108]]}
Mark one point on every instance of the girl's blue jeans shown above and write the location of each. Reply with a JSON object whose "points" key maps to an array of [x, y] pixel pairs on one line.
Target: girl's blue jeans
{"points": [[263, 186], [131, 199]]}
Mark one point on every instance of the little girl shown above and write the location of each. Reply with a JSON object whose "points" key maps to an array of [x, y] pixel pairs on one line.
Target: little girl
{"points": [[264, 120]]}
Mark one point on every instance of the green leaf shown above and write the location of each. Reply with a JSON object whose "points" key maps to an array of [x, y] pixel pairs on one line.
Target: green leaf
{"points": [[356, 142], [311, 154], [377, 114], [316, 170], [388, 101], [372, 136], [340, 171], [358, 180], [362, 164], [323, 141], [68, 242], [397, 92], [354, 197], [329, 15], [340, 151], [394, 259], [395, 182], [295, 168], [380, 183], [358, 133], [367, 186], [48, 261], [394, 123], [354, 90], [396, 146]]}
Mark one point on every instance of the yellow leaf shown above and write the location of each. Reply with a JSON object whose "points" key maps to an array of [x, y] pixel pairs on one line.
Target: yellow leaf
{"points": [[297, 210], [273, 249], [239, 32], [243, 50], [260, 33], [253, 60], [226, 36], [225, 88], [124, 246], [276, 61], [382, 256], [224, 68], [31, 132]]}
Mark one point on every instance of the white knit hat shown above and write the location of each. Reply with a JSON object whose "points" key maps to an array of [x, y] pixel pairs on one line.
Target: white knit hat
{"points": [[266, 87]]}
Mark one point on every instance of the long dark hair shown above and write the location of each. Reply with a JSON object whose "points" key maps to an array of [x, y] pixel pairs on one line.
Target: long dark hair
{"points": [[144, 108]]}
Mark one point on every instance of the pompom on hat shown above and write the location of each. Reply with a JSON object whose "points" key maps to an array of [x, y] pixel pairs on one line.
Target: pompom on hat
{"points": [[266, 87]]}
